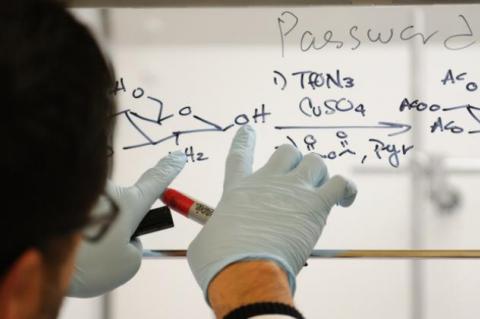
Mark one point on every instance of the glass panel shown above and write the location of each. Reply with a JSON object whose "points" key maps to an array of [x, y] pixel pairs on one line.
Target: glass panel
{"points": [[222, 64]]}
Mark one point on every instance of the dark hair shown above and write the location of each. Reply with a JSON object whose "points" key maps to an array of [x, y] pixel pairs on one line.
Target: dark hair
{"points": [[55, 125]]}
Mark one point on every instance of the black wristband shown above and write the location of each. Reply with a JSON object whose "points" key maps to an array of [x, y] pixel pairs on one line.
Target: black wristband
{"points": [[263, 308]]}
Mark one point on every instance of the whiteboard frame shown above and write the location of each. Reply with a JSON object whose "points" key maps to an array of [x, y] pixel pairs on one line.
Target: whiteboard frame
{"points": [[243, 3], [349, 254]]}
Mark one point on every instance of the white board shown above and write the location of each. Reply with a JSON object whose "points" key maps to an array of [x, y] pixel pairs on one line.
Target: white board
{"points": [[210, 69], [223, 63]]}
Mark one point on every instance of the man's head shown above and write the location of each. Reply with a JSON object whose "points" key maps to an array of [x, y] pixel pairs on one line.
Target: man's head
{"points": [[55, 123]]}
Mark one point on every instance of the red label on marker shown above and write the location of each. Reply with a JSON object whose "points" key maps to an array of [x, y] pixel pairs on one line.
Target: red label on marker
{"points": [[186, 206], [177, 201]]}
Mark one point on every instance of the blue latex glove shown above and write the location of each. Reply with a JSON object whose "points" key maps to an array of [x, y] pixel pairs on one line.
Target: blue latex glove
{"points": [[103, 266], [276, 213]]}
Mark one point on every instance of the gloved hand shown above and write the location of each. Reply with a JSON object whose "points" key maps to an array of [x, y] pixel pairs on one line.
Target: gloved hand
{"points": [[276, 213], [105, 265]]}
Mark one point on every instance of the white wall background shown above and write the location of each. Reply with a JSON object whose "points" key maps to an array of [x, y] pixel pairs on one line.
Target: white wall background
{"points": [[220, 62]]}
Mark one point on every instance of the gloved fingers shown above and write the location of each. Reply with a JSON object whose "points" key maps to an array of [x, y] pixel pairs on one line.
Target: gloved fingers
{"points": [[128, 265], [114, 190], [240, 157], [284, 159], [153, 182], [137, 244], [312, 169], [102, 203], [338, 190], [98, 274], [78, 286], [109, 185]]}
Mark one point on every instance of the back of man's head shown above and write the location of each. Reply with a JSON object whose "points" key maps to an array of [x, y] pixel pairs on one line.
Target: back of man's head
{"points": [[55, 123]]}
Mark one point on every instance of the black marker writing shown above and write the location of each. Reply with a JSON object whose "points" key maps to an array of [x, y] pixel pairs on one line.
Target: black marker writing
{"points": [[291, 29]]}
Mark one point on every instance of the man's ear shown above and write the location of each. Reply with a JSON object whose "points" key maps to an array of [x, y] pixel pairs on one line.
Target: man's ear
{"points": [[21, 287]]}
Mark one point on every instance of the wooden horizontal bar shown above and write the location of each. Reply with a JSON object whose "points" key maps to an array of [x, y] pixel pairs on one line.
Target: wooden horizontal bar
{"points": [[362, 253], [241, 3]]}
